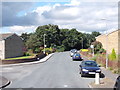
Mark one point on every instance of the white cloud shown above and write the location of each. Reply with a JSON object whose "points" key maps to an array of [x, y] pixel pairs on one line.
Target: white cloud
{"points": [[74, 3], [85, 16], [21, 29], [42, 9], [75, 11]]}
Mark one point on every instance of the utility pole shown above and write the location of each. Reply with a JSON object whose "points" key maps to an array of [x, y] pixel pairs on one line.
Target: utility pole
{"points": [[44, 43], [82, 42], [104, 19]]}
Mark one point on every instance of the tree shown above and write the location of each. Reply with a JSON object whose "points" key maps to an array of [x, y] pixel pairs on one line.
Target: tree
{"points": [[25, 36], [65, 38], [95, 34], [33, 42], [97, 46]]}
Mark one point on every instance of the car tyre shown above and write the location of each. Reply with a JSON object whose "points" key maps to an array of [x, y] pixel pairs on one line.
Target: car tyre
{"points": [[82, 74]]}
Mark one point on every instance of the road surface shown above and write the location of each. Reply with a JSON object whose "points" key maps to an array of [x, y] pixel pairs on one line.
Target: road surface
{"points": [[58, 72]]}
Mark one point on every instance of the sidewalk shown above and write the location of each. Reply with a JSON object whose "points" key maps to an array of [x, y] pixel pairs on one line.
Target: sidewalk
{"points": [[3, 82], [107, 82], [109, 74], [27, 63]]}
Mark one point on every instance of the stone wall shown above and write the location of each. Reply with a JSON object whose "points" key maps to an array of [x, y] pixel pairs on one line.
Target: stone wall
{"points": [[110, 41]]}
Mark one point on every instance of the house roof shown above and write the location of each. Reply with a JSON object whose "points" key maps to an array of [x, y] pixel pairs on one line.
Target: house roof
{"points": [[108, 33], [5, 35]]}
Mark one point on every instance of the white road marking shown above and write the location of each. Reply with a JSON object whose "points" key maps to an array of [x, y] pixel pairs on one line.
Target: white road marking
{"points": [[65, 85], [7, 68]]}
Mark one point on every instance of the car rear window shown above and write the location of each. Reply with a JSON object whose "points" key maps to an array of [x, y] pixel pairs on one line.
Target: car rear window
{"points": [[89, 64], [77, 54]]}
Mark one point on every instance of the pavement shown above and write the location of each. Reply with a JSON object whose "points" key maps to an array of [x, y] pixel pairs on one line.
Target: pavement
{"points": [[27, 63], [107, 82], [4, 81]]}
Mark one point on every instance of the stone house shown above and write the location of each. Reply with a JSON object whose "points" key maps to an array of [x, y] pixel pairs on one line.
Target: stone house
{"points": [[11, 45], [110, 41]]}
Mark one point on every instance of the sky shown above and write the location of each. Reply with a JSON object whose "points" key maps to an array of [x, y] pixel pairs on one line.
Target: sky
{"points": [[19, 16]]}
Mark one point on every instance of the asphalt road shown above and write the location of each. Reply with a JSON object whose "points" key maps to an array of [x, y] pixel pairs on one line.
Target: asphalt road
{"points": [[58, 72]]}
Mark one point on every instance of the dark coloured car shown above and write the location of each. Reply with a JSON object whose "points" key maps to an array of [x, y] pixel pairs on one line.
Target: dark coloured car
{"points": [[40, 56], [117, 84], [89, 67], [77, 56], [72, 52]]}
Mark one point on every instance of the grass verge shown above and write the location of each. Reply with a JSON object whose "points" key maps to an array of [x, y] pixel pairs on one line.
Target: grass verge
{"points": [[23, 57]]}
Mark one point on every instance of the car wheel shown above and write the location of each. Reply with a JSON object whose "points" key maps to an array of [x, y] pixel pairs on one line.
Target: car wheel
{"points": [[80, 71], [82, 74]]}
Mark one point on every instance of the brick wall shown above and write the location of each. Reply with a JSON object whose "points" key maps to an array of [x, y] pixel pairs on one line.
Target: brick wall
{"points": [[112, 39], [13, 46], [2, 49]]}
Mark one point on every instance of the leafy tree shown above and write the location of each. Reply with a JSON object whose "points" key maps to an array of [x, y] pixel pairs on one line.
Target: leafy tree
{"points": [[25, 36], [95, 34], [33, 42], [65, 39], [97, 46]]}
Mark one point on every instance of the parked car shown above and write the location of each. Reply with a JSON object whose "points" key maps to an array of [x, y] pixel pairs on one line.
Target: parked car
{"points": [[40, 56], [89, 67], [117, 84], [77, 56], [72, 52]]}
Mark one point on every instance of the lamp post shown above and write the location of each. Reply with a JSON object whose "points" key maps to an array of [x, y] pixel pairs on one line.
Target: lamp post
{"points": [[106, 42], [44, 43]]}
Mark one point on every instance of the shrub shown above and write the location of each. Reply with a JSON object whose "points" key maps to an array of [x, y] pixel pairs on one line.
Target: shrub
{"points": [[116, 71], [110, 68], [48, 50], [37, 50], [27, 54], [94, 58], [113, 55], [60, 48], [102, 50]]}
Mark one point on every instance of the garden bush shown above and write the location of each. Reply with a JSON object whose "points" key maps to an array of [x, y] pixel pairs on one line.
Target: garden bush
{"points": [[94, 58], [60, 48], [27, 54], [113, 56], [48, 50]]}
